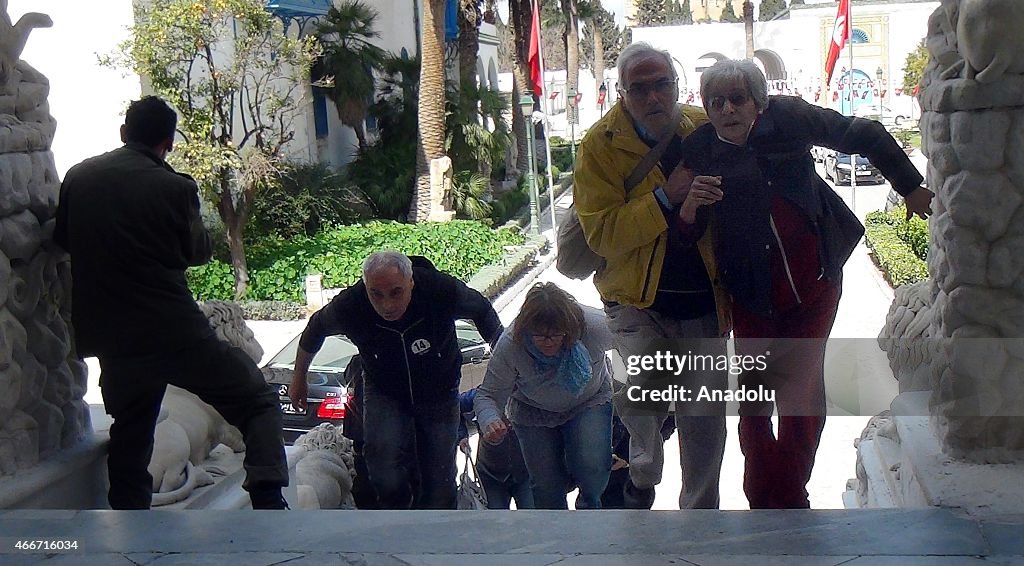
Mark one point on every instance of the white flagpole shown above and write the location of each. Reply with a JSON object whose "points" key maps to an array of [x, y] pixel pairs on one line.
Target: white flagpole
{"points": [[849, 84], [547, 127]]}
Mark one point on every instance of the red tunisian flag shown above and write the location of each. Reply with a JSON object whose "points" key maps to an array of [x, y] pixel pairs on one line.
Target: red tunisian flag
{"points": [[840, 31], [536, 77]]}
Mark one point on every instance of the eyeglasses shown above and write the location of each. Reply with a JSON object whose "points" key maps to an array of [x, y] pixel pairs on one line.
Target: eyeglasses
{"points": [[736, 99], [664, 87], [549, 338]]}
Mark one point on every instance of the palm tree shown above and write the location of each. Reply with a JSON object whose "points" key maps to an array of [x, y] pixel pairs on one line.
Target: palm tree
{"points": [[351, 60], [571, 38], [430, 119], [470, 16], [520, 13], [748, 27]]}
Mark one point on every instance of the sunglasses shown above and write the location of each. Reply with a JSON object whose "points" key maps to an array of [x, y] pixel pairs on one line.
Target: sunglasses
{"points": [[736, 99]]}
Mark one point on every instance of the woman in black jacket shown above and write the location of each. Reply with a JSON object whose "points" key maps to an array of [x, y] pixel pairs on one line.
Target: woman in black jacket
{"points": [[781, 238]]}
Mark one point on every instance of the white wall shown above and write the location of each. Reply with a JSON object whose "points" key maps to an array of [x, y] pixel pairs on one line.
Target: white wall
{"points": [[801, 41], [88, 101]]}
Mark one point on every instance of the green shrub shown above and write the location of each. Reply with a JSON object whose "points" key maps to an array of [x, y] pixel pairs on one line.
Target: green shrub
{"points": [[561, 157], [914, 232], [278, 266], [900, 247], [272, 310], [301, 200], [506, 207]]}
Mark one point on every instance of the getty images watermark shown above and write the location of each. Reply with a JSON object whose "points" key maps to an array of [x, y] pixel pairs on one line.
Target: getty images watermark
{"points": [[666, 362]]}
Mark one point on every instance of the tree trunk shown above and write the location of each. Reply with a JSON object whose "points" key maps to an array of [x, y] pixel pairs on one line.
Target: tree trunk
{"points": [[520, 13], [598, 54], [234, 227], [430, 119], [748, 27], [571, 35], [522, 159], [469, 41]]}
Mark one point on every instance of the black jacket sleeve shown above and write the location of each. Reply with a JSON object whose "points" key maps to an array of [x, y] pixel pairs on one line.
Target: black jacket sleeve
{"points": [[328, 321], [829, 128], [195, 240], [60, 230], [469, 303]]}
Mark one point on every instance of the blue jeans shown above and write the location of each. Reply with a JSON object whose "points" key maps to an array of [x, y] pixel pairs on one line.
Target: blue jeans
{"points": [[411, 448], [578, 451], [501, 493]]}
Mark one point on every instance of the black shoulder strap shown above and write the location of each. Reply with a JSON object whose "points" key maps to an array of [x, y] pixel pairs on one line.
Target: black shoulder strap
{"points": [[649, 160]]}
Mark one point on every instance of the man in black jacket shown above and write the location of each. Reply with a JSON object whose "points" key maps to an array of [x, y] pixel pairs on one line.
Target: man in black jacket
{"points": [[132, 226], [401, 316]]}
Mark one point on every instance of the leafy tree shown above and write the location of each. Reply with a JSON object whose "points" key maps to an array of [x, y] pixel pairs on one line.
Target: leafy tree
{"points": [[650, 13], [796, 3], [729, 14], [770, 9], [913, 67], [611, 40], [472, 144], [238, 83], [350, 60], [384, 171], [678, 14]]}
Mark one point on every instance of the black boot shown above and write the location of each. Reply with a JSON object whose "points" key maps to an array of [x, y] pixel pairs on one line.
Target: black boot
{"points": [[268, 499]]}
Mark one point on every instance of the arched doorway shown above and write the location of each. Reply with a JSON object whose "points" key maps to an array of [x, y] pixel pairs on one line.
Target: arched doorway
{"points": [[771, 62]]}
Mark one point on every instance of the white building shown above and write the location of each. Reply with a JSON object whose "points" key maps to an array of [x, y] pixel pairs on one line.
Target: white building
{"points": [[88, 100], [793, 50]]}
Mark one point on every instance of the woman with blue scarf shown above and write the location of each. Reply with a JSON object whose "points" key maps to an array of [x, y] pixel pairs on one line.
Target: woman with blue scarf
{"points": [[550, 364]]}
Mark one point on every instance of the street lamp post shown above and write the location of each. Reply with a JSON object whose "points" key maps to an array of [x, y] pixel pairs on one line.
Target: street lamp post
{"points": [[526, 106], [571, 96], [881, 99]]}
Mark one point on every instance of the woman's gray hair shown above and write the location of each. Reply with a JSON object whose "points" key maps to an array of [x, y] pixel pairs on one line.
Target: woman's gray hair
{"points": [[730, 69], [385, 259], [639, 50]]}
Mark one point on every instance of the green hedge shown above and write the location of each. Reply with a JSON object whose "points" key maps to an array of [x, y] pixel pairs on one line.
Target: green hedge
{"points": [[277, 267], [900, 247]]}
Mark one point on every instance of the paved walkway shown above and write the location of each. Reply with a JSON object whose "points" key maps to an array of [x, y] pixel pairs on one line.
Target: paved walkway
{"points": [[929, 537]]}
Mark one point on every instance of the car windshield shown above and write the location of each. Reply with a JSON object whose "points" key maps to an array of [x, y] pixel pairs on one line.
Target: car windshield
{"points": [[337, 350], [333, 356], [845, 158]]}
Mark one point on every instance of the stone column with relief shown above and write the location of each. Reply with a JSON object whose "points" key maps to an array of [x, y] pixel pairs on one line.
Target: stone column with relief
{"points": [[956, 340], [42, 383]]}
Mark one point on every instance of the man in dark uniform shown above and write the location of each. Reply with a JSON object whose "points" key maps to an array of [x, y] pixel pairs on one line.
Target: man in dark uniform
{"points": [[132, 226], [401, 316]]}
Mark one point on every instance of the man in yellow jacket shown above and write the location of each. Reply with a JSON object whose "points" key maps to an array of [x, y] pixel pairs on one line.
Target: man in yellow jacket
{"points": [[658, 296]]}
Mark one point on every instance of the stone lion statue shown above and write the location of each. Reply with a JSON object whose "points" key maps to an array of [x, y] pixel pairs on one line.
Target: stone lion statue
{"points": [[189, 429], [323, 477]]}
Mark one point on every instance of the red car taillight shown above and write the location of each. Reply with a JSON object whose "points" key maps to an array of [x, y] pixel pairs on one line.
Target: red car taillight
{"points": [[332, 408]]}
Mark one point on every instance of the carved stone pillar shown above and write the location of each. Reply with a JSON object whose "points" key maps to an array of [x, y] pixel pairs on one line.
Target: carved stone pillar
{"points": [[41, 382], [956, 341]]}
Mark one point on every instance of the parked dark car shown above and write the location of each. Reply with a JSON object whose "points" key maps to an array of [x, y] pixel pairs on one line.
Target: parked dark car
{"points": [[837, 168], [329, 386]]}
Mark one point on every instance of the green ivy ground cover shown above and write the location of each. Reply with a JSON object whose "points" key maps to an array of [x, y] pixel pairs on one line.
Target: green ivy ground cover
{"points": [[278, 268]]}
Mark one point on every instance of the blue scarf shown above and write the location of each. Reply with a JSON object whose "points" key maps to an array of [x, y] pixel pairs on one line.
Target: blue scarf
{"points": [[571, 365]]}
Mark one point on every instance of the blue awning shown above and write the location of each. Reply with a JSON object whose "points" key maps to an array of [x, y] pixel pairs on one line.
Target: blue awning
{"points": [[298, 8]]}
